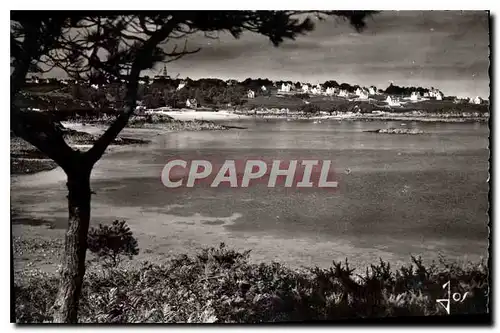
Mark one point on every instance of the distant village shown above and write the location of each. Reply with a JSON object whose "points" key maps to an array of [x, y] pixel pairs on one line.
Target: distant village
{"points": [[363, 94], [393, 96]]}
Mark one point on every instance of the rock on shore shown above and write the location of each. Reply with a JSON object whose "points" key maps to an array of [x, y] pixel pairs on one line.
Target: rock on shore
{"points": [[411, 131]]}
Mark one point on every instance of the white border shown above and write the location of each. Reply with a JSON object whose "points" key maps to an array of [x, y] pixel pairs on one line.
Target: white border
{"points": [[212, 5], [256, 4]]}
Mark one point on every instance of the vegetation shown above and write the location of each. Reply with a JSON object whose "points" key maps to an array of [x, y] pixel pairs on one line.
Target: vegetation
{"points": [[205, 91], [111, 243], [315, 104], [310, 108], [405, 91], [221, 285], [446, 107], [302, 96]]}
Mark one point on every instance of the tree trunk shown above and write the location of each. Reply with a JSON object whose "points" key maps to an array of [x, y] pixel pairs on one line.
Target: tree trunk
{"points": [[73, 265]]}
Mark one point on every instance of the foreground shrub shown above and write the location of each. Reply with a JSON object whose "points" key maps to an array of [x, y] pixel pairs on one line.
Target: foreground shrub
{"points": [[310, 108], [111, 243], [220, 285]]}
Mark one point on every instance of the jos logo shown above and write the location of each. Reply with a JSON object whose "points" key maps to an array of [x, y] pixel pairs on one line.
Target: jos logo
{"points": [[456, 297]]}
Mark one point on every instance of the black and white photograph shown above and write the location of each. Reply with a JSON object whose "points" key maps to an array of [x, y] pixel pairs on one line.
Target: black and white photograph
{"points": [[250, 166]]}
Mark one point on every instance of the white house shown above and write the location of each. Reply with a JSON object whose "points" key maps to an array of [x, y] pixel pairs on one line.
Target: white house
{"points": [[477, 100], [435, 93], [363, 94], [192, 103], [415, 96], [393, 101], [305, 88], [315, 91], [95, 86], [372, 90], [140, 109], [33, 79], [181, 85], [251, 94], [285, 87], [330, 91], [343, 93], [263, 88]]}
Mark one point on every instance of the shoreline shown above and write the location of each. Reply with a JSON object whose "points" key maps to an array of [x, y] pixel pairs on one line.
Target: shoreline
{"points": [[374, 117], [26, 159], [193, 115], [80, 134]]}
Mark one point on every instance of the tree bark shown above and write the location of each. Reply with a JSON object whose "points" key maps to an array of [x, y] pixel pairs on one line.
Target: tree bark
{"points": [[73, 266]]}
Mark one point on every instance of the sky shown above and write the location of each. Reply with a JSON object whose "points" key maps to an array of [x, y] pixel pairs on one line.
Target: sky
{"points": [[448, 50]]}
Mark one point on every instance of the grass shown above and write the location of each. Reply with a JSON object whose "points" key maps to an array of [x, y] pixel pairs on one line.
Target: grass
{"points": [[446, 107], [290, 102], [221, 285]]}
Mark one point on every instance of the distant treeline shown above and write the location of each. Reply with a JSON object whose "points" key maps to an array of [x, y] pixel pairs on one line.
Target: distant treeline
{"points": [[397, 90]]}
